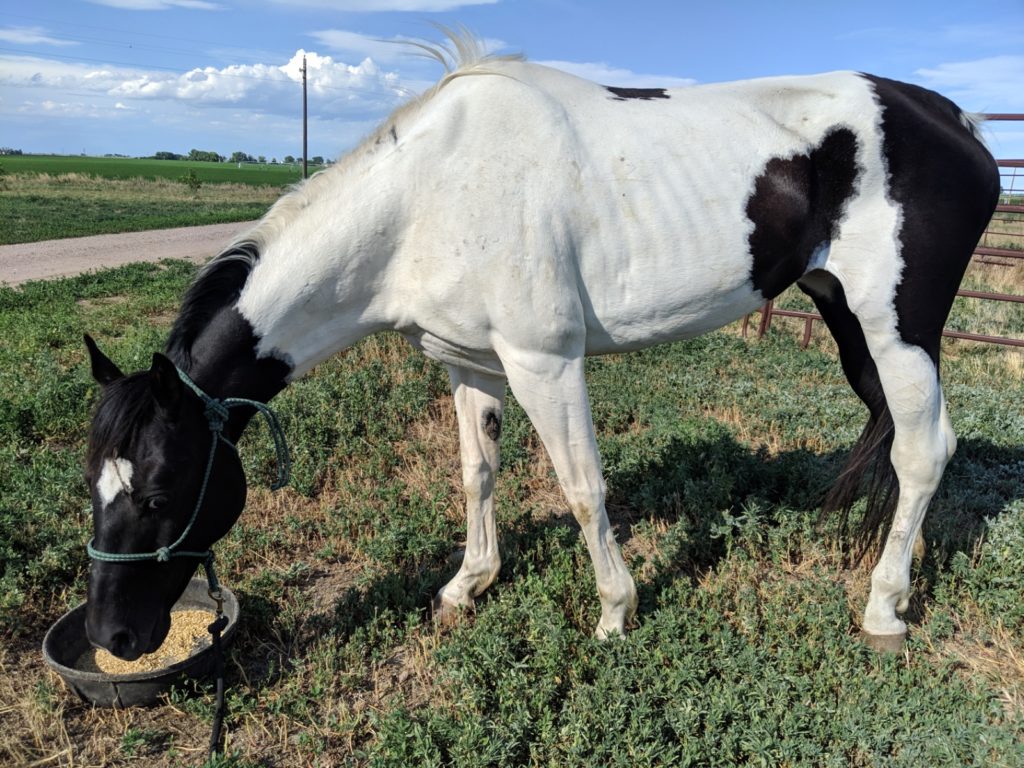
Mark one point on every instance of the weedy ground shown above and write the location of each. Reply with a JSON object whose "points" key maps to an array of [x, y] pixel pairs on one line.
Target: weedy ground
{"points": [[716, 453]]}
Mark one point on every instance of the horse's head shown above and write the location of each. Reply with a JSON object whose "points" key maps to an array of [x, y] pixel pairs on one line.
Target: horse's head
{"points": [[149, 446]]}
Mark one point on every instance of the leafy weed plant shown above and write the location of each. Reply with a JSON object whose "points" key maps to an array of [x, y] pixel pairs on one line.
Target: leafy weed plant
{"points": [[716, 453]]}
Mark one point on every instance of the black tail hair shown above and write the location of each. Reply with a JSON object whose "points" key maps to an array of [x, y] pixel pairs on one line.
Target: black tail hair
{"points": [[868, 471]]}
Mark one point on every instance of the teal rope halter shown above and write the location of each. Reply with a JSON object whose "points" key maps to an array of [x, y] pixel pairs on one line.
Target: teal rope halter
{"points": [[216, 412]]}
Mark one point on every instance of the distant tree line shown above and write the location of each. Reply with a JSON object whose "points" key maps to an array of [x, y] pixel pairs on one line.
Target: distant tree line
{"points": [[213, 157], [9, 151]]}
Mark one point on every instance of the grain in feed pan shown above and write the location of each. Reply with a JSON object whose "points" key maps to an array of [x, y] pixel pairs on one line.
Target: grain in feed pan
{"points": [[65, 649]]}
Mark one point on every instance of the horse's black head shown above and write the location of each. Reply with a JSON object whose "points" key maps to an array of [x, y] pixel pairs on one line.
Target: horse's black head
{"points": [[148, 449]]}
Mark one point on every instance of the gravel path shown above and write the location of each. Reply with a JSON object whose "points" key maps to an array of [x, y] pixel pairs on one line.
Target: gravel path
{"points": [[58, 258]]}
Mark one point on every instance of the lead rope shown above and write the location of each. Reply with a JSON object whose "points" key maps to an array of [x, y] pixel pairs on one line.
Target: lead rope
{"points": [[216, 412], [218, 625]]}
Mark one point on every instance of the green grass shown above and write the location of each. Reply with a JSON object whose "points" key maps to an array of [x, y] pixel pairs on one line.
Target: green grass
{"points": [[45, 197], [41, 207], [715, 453], [129, 168]]}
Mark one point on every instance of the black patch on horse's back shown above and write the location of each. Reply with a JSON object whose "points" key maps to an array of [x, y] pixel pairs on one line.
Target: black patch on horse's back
{"points": [[642, 94], [217, 286], [796, 206], [947, 185]]}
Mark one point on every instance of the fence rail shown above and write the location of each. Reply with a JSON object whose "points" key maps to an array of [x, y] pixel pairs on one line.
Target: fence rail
{"points": [[985, 252]]}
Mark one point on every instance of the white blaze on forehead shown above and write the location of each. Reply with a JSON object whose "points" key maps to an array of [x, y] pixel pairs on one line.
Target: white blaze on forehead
{"points": [[115, 477]]}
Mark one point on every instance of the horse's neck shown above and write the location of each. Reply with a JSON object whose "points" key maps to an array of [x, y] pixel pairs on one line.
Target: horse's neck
{"points": [[319, 283], [224, 361]]}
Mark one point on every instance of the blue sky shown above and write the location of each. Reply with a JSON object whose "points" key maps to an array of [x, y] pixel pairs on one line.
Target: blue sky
{"points": [[140, 76]]}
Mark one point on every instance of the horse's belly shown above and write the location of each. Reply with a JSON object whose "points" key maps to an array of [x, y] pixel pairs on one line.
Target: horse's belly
{"points": [[665, 277], [642, 318]]}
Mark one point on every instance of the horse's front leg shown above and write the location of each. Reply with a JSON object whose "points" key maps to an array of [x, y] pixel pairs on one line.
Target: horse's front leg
{"points": [[479, 403], [553, 392]]}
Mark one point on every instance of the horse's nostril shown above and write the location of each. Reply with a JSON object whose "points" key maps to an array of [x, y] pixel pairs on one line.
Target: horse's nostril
{"points": [[122, 644]]}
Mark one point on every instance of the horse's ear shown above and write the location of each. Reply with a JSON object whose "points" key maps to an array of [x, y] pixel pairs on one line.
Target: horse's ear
{"points": [[166, 384], [103, 368]]}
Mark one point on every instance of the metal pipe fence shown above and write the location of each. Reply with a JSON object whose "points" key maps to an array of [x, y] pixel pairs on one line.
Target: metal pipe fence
{"points": [[1002, 244]]}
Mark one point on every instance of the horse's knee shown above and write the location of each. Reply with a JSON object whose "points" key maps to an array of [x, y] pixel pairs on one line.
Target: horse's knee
{"points": [[586, 501], [919, 457], [477, 480]]}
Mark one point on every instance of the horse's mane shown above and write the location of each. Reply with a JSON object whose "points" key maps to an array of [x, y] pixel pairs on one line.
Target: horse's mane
{"points": [[126, 405], [220, 281]]}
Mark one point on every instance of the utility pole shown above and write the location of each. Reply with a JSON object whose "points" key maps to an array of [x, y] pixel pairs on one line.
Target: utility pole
{"points": [[305, 154]]}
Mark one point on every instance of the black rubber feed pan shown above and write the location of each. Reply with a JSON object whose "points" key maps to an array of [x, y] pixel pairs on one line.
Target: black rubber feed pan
{"points": [[66, 641]]}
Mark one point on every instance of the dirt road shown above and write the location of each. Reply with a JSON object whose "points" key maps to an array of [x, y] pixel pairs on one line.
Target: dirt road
{"points": [[57, 258]]}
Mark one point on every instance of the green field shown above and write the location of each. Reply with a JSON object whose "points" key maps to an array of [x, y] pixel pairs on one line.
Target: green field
{"points": [[44, 197], [715, 451], [257, 174]]}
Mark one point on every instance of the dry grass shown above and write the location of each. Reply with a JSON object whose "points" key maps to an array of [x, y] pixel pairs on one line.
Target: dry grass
{"points": [[993, 656], [95, 187]]}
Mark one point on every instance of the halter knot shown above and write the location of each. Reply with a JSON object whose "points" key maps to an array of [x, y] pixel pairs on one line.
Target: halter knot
{"points": [[216, 414], [163, 554]]}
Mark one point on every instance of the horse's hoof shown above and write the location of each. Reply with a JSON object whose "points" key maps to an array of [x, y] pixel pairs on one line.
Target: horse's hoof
{"points": [[448, 614], [884, 643]]}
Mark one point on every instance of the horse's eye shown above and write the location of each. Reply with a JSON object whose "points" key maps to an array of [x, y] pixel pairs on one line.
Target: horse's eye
{"points": [[155, 503]]}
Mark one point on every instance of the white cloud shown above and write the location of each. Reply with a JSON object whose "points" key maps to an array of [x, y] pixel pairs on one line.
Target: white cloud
{"points": [[604, 74], [371, 6], [159, 5], [55, 108], [336, 89], [31, 36], [45, 74], [984, 85]]}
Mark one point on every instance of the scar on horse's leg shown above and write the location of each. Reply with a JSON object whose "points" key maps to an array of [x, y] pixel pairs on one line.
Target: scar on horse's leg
{"points": [[923, 444], [479, 403], [553, 393]]}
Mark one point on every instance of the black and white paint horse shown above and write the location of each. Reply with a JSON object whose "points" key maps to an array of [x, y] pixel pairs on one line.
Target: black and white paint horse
{"points": [[516, 219]]}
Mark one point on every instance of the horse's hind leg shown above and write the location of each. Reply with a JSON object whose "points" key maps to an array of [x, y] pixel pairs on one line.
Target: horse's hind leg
{"points": [[479, 403], [553, 392], [900, 385], [923, 442]]}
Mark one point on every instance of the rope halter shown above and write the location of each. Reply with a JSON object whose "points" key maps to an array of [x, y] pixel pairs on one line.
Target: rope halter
{"points": [[216, 412]]}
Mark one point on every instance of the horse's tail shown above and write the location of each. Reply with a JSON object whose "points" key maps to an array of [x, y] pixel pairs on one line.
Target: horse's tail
{"points": [[868, 470], [973, 121]]}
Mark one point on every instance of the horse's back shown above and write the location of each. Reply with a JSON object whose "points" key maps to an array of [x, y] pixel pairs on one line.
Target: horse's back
{"points": [[644, 215], [651, 190]]}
